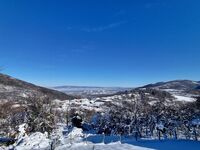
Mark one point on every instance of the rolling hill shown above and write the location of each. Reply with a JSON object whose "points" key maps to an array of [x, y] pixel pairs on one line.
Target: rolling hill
{"points": [[12, 89]]}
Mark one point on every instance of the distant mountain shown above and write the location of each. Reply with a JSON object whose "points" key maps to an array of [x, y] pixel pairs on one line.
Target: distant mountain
{"points": [[15, 89], [176, 84]]}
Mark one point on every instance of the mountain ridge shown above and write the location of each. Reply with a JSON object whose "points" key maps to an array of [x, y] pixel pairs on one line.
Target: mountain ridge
{"points": [[12, 88], [175, 84]]}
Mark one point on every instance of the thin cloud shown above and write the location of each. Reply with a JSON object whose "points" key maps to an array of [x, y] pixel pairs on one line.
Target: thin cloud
{"points": [[106, 27]]}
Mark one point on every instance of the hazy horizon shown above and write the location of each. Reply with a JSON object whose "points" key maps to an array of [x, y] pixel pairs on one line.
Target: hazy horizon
{"points": [[98, 86]]}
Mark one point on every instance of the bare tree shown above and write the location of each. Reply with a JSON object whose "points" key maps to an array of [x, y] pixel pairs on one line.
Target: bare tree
{"points": [[40, 115]]}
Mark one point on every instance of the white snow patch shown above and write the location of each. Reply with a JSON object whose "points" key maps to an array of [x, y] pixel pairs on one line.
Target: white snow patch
{"points": [[24, 95], [15, 106], [36, 141], [184, 98], [75, 133], [152, 102]]}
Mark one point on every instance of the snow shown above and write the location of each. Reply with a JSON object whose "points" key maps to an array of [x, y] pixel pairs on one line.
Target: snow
{"points": [[75, 133], [196, 121], [195, 82], [112, 146], [75, 139], [160, 126], [101, 142], [152, 102], [22, 133], [184, 98], [22, 129], [6, 88], [15, 106], [169, 90], [131, 144], [24, 95], [81, 103], [36, 141], [180, 95]]}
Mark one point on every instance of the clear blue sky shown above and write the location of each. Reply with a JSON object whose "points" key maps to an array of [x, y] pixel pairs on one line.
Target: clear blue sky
{"points": [[100, 42]]}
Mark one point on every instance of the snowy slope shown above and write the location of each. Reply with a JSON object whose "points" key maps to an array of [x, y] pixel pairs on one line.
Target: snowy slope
{"points": [[76, 140], [36, 141], [126, 143], [142, 145], [112, 146], [184, 98]]}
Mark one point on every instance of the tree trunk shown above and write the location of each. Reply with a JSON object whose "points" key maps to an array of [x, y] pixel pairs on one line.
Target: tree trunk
{"points": [[159, 135]]}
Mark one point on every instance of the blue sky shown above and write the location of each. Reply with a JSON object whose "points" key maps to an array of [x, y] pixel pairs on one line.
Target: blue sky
{"points": [[100, 42]]}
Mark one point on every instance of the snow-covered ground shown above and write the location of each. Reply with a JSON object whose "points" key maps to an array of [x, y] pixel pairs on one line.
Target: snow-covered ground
{"points": [[140, 145], [180, 95], [88, 104], [112, 146], [36, 141], [184, 98], [76, 140]]}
